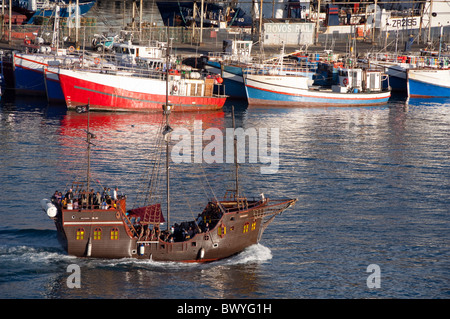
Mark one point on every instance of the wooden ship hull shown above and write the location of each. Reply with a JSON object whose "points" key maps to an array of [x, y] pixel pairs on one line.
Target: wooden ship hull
{"points": [[110, 233]]}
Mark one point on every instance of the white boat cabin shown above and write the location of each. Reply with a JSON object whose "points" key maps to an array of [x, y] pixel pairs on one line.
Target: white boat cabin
{"points": [[128, 54], [238, 49], [358, 80]]}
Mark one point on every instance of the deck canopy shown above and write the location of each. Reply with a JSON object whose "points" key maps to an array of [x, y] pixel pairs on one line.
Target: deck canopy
{"points": [[151, 214]]}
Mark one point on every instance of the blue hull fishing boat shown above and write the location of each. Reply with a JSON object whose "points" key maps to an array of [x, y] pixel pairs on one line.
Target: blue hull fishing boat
{"points": [[356, 87], [396, 67], [229, 65], [429, 83], [53, 86], [29, 73]]}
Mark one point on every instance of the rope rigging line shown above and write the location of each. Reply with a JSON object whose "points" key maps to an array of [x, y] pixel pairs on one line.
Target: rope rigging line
{"points": [[152, 175]]}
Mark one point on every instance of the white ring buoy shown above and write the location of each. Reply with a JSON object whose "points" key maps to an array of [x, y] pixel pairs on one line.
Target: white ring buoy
{"points": [[71, 49], [345, 81]]}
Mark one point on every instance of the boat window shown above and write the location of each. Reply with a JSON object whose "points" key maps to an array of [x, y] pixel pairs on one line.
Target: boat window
{"points": [[194, 244], [246, 227], [97, 233], [114, 234], [253, 225], [80, 233]]}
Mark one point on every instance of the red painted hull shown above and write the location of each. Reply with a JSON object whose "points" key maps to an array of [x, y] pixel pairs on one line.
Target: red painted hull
{"points": [[117, 93]]}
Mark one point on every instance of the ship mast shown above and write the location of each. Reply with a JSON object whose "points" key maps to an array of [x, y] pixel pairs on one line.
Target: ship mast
{"points": [[167, 108], [235, 156], [88, 139], [89, 136]]}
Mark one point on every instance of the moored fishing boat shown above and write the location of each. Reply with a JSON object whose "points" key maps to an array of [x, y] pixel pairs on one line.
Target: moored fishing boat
{"points": [[229, 65], [32, 75], [236, 57], [356, 87], [139, 90], [396, 66], [100, 226], [29, 72], [428, 83]]}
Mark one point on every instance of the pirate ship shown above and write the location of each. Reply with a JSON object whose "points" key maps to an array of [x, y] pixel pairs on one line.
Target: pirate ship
{"points": [[91, 225]]}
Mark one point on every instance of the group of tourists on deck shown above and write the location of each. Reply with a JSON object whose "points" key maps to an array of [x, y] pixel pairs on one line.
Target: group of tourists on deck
{"points": [[87, 200], [205, 222]]}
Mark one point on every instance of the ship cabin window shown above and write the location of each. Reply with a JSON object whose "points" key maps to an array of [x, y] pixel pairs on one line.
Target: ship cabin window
{"points": [[97, 233], [254, 225], [80, 233], [194, 244], [246, 227], [114, 233]]}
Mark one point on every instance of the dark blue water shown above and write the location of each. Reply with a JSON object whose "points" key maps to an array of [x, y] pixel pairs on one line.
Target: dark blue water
{"points": [[373, 187]]}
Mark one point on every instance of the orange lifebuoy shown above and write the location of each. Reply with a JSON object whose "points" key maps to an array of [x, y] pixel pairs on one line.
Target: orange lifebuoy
{"points": [[345, 81], [71, 49], [175, 88], [97, 60]]}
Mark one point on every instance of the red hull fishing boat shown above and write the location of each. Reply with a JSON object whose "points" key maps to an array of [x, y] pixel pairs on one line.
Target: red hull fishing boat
{"points": [[91, 225], [143, 91]]}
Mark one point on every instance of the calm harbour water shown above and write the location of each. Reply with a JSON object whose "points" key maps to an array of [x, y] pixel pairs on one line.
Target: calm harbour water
{"points": [[373, 186]]}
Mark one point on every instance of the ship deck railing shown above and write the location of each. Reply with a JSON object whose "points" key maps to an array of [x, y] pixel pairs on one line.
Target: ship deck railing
{"points": [[277, 69], [129, 70], [230, 58], [415, 60]]}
